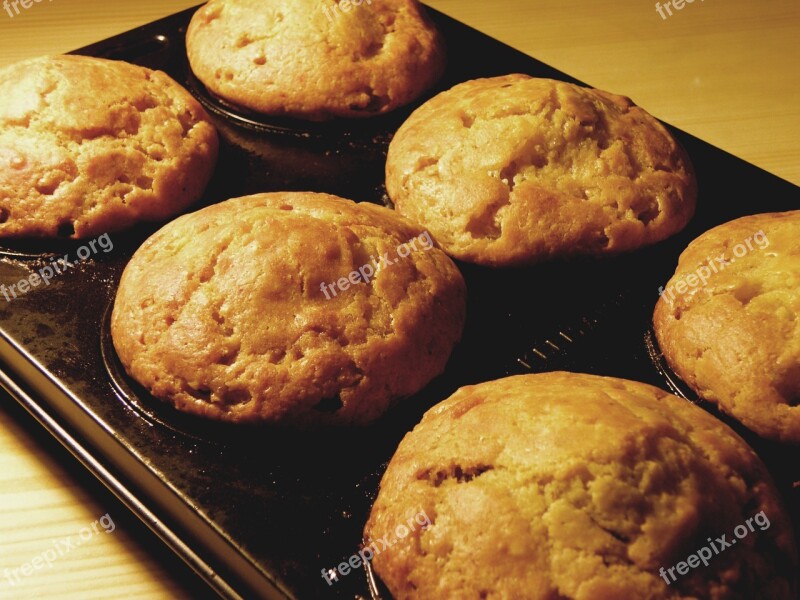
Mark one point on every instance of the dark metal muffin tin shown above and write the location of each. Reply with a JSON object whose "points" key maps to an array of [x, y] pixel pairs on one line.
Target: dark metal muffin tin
{"points": [[261, 512]]}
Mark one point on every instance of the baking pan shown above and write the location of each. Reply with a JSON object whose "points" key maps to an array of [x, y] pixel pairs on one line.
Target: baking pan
{"points": [[263, 512]]}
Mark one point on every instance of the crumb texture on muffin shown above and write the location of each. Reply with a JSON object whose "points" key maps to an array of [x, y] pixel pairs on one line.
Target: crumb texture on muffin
{"points": [[570, 486], [736, 339], [514, 170], [312, 59], [89, 146], [223, 312]]}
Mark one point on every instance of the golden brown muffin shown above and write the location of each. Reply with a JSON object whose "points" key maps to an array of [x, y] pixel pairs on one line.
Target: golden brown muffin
{"points": [[263, 309], [571, 486], [514, 170], [727, 321], [564, 485], [91, 146], [315, 59]]}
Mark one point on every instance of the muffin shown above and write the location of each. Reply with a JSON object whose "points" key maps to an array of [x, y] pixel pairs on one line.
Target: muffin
{"points": [[562, 485], [295, 308], [727, 321], [315, 60], [91, 146], [515, 170]]}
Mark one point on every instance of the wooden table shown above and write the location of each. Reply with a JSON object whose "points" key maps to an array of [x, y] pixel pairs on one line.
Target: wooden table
{"points": [[724, 71]]}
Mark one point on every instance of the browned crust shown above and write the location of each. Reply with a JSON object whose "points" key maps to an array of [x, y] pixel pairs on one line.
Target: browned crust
{"points": [[222, 314], [90, 146], [514, 170], [571, 486], [308, 59], [736, 339]]}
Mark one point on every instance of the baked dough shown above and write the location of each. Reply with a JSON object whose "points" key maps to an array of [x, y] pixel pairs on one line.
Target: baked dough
{"points": [[313, 59], [91, 146], [261, 309], [571, 486], [515, 170], [727, 321]]}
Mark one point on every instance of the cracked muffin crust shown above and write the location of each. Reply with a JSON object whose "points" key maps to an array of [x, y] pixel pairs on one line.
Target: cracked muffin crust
{"points": [[570, 486], [736, 340], [314, 60], [90, 146], [514, 170], [223, 313]]}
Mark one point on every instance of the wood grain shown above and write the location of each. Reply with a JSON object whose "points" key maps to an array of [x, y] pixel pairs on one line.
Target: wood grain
{"points": [[724, 71]]}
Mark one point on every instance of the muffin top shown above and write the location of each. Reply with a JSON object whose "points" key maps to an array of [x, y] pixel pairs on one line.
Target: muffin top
{"points": [[514, 170], [294, 308], [89, 146], [727, 321], [315, 60], [563, 485]]}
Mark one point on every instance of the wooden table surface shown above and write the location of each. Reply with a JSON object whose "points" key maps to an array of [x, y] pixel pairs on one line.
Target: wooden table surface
{"points": [[727, 72]]}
